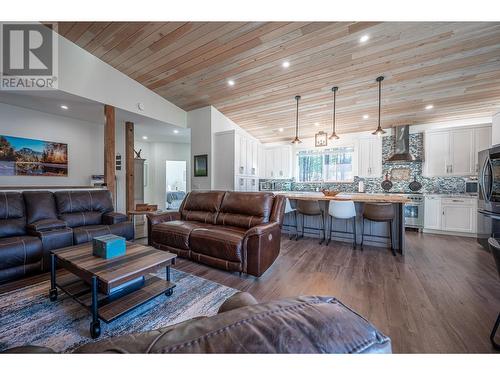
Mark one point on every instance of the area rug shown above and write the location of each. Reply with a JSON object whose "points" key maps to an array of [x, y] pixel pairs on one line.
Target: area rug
{"points": [[27, 317]]}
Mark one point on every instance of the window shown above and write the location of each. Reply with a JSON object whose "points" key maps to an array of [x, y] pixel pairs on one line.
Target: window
{"points": [[329, 165]]}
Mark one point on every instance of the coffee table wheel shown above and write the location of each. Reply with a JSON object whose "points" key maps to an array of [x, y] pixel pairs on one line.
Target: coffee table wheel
{"points": [[53, 295], [169, 292], [95, 329]]}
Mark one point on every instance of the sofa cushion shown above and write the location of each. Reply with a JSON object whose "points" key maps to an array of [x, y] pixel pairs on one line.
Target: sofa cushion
{"points": [[40, 205], [83, 200], [19, 251], [12, 214], [78, 219], [88, 232], [217, 241], [174, 233], [202, 206], [245, 210]]}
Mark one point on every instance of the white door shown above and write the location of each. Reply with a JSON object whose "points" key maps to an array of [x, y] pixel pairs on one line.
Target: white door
{"points": [[437, 154], [286, 156], [458, 218], [432, 213], [255, 159], [461, 152], [482, 141]]}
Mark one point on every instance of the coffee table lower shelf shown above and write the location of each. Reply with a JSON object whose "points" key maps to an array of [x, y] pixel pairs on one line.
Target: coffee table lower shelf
{"points": [[111, 307]]}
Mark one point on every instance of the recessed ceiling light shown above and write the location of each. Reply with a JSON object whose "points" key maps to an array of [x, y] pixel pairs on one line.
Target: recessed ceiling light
{"points": [[429, 106], [316, 124], [281, 130], [366, 117], [176, 131], [285, 64], [144, 137], [65, 107], [230, 82], [364, 38]]}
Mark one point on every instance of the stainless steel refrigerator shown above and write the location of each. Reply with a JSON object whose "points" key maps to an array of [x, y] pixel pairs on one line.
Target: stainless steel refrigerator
{"points": [[488, 220]]}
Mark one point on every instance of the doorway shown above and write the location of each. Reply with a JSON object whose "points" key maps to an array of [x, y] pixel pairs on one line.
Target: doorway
{"points": [[175, 183]]}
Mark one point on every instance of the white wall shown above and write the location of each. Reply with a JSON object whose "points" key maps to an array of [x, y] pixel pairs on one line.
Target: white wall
{"points": [[84, 139], [199, 121], [83, 74], [495, 130]]}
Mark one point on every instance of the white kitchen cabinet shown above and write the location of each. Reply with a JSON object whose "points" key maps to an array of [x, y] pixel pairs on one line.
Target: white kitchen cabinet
{"points": [[436, 148], [453, 152], [432, 212], [278, 162], [235, 162], [450, 214], [370, 157], [482, 141], [459, 214]]}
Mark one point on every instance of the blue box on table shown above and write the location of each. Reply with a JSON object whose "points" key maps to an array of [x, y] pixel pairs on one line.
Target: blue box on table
{"points": [[108, 246]]}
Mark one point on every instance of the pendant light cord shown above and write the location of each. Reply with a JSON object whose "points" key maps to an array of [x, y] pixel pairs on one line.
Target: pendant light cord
{"points": [[334, 106], [379, 100]]}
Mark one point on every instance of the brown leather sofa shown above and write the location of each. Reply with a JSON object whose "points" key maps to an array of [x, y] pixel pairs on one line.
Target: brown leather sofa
{"points": [[34, 222], [235, 231], [294, 325]]}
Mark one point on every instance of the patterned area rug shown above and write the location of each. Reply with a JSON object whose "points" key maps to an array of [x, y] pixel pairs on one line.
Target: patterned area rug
{"points": [[27, 317]]}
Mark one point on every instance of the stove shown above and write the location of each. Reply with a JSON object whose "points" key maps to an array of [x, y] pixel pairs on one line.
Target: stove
{"points": [[413, 210]]}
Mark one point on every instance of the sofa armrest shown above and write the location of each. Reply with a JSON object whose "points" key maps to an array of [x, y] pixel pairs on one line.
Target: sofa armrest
{"points": [[261, 247], [158, 218], [236, 301], [111, 218], [162, 217], [45, 225]]}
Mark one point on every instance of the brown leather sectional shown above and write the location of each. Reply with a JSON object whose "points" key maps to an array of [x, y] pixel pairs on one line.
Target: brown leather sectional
{"points": [[294, 325], [33, 223], [234, 231]]}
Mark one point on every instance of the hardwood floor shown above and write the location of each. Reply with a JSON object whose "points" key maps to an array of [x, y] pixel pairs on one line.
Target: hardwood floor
{"points": [[443, 296]]}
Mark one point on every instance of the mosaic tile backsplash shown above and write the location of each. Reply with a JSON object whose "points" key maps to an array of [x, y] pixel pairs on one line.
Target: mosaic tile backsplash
{"points": [[442, 185]]}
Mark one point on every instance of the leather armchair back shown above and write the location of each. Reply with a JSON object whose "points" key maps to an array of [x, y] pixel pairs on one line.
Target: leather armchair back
{"points": [[84, 207], [12, 214], [40, 205], [201, 206], [245, 210]]}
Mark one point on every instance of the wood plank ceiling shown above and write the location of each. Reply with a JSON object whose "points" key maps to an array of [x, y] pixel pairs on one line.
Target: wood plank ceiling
{"points": [[453, 66]]}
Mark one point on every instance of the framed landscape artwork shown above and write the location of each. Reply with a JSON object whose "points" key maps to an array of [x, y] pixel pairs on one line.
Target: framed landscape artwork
{"points": [[200, 165], [32, 157]]}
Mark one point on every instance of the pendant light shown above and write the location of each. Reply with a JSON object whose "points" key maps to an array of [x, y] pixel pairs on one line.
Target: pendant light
{"points": [[379, 130], [334, 135], [297, 140]]}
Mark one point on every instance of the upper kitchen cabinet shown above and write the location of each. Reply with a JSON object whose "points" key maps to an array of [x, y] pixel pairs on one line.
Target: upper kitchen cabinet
{"points": [[370, 157], [278, 162], [453, 152], [236, 161]]}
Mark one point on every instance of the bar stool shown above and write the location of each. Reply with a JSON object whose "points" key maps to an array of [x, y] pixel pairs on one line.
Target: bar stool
{"points": [[289, 209], [379, 212], [311, 208], [342, 210]]}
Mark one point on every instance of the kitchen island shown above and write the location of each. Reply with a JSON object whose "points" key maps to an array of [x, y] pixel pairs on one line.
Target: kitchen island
{"points": [[375, 234]]}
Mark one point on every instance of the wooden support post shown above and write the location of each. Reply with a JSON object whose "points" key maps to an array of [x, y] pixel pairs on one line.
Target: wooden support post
{"points": [[129, 160], [109, 150]]}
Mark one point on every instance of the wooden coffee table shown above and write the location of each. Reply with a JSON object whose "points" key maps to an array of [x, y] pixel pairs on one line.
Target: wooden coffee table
{"points": [[110, 288]]}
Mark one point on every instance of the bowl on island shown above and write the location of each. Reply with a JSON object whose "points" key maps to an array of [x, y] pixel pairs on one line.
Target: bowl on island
{"points": [[329, 193]]}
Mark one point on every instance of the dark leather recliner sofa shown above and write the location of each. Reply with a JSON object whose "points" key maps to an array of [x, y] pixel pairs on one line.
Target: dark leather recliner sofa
{"points": [[34, 222], [293, 325], [235, 231]]}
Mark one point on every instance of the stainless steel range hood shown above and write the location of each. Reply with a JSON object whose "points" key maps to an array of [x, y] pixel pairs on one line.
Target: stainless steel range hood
{"points": [[402, 146]]}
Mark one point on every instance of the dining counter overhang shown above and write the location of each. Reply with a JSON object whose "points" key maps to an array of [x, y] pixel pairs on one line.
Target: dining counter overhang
{"points": [[375, 233]]}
